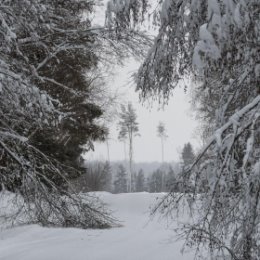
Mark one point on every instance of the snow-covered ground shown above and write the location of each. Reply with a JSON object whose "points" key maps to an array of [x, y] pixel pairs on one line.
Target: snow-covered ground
{"points": [[139, 238]]}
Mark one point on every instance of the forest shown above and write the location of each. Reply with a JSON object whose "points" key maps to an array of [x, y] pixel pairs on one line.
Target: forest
{"points": [[56, 105]]}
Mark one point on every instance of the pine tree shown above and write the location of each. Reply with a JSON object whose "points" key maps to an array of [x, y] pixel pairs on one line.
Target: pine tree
{"points": [[187, 155], [156, 181], [161, 132], [46, 115], [171, 181], [128, 129], [187, 158]]}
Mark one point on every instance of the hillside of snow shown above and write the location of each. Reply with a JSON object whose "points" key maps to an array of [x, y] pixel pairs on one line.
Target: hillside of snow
{"points": [[139, 238]]}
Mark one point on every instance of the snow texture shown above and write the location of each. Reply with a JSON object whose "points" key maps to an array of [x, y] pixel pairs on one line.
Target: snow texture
{"points": [[139, 238]]}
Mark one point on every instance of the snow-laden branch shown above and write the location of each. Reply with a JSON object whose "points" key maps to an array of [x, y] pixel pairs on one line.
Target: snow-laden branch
{"points": [[14, 136], [217, 137]]}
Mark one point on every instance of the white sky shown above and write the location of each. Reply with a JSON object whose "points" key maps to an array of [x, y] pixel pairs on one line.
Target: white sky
{"points": [[176, 117]]}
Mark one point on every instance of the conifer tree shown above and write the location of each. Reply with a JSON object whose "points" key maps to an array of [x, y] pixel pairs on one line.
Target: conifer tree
{"points": [[140, 181], [156, 181], [120, 183], [187, 155], [128, 129], [46, 113], [161, 132]]}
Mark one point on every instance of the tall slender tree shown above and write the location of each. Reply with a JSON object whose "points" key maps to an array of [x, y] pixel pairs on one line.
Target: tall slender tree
{"points": [[128, 129], [161, 132]]}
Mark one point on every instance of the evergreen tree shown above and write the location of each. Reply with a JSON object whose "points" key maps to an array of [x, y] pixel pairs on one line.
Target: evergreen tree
{"points": [[171, 181], [140, 181], [187, 155], [128, 129], [63, 76], [120, 183], [161, 132], [187, 158], [156, 181], [52, 55]]}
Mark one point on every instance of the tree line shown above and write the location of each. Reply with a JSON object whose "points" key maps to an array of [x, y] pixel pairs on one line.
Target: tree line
{"points": [[114, 177]]}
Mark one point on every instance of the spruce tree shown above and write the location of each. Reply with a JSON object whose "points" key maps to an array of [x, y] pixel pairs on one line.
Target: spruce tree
{"points": [[46, 116], [140, 181], [187, 155]]}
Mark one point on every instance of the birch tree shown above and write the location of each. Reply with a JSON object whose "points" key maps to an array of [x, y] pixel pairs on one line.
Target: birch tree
{"points": [[120, 183]]}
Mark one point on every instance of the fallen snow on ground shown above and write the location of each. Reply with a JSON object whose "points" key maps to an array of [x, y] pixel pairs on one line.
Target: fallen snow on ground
{"points": [[139, 238]]}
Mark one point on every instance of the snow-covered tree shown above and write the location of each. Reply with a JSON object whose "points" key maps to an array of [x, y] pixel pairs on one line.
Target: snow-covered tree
{"points": [[161, 132], [216, 44], [128, 129], [46, 113]]}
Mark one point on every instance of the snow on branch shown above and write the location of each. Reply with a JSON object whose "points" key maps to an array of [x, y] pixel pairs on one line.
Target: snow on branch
{"points": [[234, 120]]}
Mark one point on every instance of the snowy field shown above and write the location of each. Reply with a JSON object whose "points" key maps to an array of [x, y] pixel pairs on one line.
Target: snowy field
{"points": [[139, 238]]}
